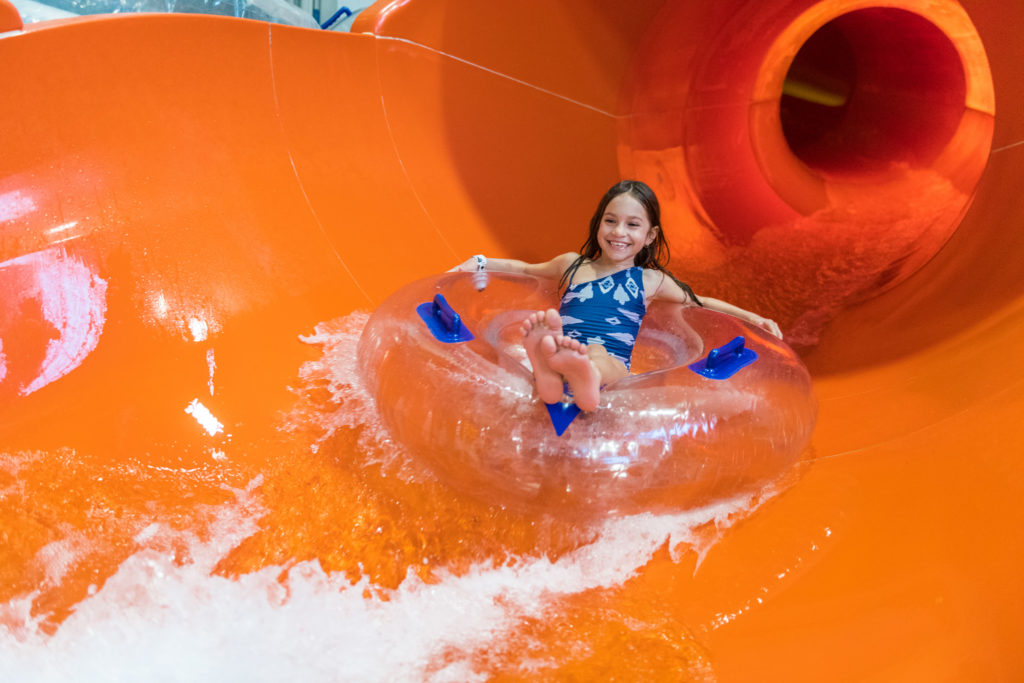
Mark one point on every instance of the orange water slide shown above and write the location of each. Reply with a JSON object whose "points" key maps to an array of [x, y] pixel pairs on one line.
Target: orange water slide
{"points": [[183, 197]]}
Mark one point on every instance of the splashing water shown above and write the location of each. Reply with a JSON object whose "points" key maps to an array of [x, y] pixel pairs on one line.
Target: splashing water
{"points": [[262, 584]]}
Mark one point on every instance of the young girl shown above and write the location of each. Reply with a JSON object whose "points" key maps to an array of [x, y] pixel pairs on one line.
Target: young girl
{"points": [[588, 342]]}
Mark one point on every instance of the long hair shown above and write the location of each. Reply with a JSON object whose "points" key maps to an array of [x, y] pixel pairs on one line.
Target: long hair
{"points": [[655, 255]]}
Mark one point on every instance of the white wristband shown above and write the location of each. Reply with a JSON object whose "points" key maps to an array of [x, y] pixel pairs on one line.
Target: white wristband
{"points": [[480, 276]]}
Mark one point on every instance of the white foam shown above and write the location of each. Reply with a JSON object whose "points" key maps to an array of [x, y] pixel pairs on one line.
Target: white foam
{"points": [[199, 328], [57, 557], [338, 368], [157, 621]]}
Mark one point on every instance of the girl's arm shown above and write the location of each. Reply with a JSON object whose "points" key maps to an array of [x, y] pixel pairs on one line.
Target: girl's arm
{"points": [[752, 318], [550, 269], [665, 289]]}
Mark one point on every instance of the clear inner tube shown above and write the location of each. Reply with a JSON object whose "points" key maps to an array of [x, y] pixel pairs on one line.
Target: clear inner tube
{"points": [[663, 438]]}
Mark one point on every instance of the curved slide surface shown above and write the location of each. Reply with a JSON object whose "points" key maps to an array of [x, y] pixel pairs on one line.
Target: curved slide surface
{"points": [[197, 212]]}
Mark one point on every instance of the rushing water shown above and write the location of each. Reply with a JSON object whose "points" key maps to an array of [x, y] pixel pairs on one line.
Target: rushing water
{"points": [[377, 575]]}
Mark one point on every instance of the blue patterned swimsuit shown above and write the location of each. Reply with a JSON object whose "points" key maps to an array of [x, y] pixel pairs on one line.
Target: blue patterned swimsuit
{"points": [[607, 311]]}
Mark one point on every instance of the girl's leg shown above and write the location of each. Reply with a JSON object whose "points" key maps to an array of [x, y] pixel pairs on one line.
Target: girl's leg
{"points": [[586, 367], [540, 326]]}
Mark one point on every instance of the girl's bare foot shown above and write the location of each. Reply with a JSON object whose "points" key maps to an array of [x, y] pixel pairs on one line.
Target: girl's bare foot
{"points": [[541, 326], [569, 358]]}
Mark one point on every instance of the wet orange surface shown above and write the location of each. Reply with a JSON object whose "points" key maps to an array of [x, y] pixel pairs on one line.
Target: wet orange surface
{"points": [[183, 197]]}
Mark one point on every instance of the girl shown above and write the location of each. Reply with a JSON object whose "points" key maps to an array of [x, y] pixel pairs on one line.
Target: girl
{"points": [[588, 342]]}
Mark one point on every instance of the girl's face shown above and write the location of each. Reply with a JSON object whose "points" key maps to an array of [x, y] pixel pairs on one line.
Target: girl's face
{"points": [[625, 229]]}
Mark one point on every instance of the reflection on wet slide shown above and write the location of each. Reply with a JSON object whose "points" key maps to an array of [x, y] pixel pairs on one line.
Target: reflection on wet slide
{"points": [[198, 213]]}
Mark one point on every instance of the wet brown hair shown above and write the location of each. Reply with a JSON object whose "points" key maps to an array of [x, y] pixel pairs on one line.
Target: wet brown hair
{"points": [[655, 255]]}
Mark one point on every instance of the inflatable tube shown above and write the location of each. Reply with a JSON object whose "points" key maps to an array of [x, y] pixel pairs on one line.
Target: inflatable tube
{"points": [[663, 438]]}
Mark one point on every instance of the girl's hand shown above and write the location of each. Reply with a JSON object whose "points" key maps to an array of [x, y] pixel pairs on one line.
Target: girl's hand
{"points": [[467, 266], [478, 266], [471, 265], [769, 326]]}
